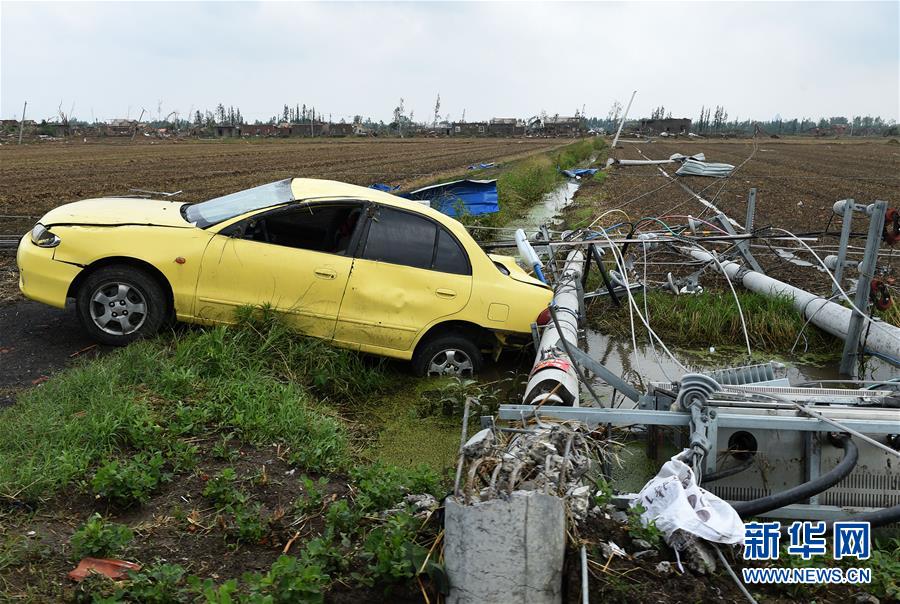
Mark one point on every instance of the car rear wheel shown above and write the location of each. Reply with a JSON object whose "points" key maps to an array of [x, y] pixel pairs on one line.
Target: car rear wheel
{"points": [[448, 355], [120, 304]]}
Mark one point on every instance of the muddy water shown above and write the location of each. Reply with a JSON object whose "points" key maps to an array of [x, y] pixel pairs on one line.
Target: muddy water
{"points": [[647, 363]]}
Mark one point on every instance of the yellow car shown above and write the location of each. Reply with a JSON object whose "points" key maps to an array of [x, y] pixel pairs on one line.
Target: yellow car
{"points": [[361, 268]]}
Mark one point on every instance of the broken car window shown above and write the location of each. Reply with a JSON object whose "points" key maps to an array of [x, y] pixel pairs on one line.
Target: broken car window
{"points": [[214, 211], [317, 227]]}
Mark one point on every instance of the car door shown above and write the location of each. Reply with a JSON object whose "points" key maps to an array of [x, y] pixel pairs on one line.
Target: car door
{"points": [[409, 272], [295, 259]]}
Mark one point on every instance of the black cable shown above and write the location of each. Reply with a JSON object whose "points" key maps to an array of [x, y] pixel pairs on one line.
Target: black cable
{"points": [[754, 507], [726, 472]]}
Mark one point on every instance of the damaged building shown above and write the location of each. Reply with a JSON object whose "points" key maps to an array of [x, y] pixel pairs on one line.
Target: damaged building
{"points": [[681, 125]]}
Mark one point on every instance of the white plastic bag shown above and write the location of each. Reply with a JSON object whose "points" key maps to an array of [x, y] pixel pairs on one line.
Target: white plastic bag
{"points": [[674, 501]]}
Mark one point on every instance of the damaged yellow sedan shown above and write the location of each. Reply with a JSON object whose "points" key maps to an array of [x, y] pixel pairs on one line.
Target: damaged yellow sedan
{"points": [[361, 268]]}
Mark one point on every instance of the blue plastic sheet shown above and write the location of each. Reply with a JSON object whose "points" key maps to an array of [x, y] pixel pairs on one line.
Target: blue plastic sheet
{"points": [[481, 166], [380, 186], [579, 172], [473, 197]]}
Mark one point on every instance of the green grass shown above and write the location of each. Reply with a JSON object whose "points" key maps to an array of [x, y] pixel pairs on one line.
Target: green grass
{"points": [[258, 381], [712, 319]]}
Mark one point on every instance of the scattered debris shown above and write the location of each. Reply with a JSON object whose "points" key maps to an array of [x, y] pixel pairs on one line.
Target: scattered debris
{"points": [[108, 567], [472, 197]]}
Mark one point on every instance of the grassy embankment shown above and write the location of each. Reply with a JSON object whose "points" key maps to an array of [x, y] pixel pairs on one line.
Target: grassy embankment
{"points": [[150, 435], [524, 183]]}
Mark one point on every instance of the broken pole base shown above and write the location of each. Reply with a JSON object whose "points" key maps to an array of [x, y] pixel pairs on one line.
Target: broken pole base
{"points": [[505, 551]]}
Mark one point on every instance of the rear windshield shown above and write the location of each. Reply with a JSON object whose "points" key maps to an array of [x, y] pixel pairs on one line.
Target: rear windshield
{"points": [[214, 211]]}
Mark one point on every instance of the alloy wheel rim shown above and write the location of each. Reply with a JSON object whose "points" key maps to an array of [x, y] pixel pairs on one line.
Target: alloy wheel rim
{"points": [[118, 308], [451, 361]]}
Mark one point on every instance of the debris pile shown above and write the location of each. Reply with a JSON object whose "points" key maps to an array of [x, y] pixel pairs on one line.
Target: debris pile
{"points": [[552, 458]]}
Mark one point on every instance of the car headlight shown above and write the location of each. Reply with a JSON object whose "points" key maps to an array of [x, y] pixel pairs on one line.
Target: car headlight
{"points": [[42, 237]]}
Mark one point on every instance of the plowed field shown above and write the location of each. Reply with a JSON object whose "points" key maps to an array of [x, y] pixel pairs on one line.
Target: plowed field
{"points": [[797, 183], [36, 178]]}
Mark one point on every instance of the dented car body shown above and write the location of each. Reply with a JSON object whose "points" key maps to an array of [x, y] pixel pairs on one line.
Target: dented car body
{"points": [[355, 266]]}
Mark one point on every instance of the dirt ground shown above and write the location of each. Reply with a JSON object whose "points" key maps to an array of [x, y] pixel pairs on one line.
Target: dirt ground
{"points": [[36, 178], [797, 183]]}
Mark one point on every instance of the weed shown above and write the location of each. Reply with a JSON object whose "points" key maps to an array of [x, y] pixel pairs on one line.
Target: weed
{"points": [[885, 565], [182, 456], [160, 584], [289, 581], [248, 380], [248, 523], [391, 550], [97, 537], [313, 494], [604, 491], [638, 530], [380, 486], [223, 491], [128, 482], [222, 450], [449, 400]]}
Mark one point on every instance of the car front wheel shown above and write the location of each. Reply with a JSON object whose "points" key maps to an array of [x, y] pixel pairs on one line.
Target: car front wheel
{"points": [[448, 355], [120, 304]]}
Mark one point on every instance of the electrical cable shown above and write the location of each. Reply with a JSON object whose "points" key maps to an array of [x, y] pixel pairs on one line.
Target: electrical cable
{"points": [[755, 507], [733, 292], [726, 472], [620, 262], [734, 576], [838, 285]]}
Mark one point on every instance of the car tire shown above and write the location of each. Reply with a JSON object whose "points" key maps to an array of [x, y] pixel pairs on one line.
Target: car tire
{"points": [[447, 355], [120, 304]]}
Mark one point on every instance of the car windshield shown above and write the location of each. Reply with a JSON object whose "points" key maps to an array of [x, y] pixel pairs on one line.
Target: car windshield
{"points": [[216, 210]]}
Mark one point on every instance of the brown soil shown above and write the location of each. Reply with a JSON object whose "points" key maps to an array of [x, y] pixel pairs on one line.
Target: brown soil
{"points": [[178, 525], [36, 178], [797, 183]]}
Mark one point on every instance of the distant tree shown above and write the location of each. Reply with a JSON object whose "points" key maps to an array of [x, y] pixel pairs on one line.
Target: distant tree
{"points": [[286, 114], [220, 116], [437, 110], [198, 118]]}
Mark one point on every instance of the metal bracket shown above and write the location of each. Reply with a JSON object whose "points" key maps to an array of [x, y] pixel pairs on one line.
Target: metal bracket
{"points": [[743, 246]]}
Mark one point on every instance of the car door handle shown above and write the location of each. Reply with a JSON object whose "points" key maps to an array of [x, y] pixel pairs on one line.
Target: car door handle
{"points": [[449, 294], [325, 273]]}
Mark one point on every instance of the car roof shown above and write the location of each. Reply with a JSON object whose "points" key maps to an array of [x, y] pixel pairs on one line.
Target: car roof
{"points": [[310, 188]]}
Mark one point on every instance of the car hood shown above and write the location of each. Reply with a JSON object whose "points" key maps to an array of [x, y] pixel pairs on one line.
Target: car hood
{"points": [[111, 211]]}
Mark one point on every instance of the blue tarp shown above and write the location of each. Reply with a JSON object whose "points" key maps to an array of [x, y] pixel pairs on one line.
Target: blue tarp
{"points": [[474, 197], [481, 166], [380, 186], [578, 172]]}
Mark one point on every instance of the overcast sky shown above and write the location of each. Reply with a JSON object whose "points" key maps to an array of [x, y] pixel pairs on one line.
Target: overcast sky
{"points": [[111, 60]]}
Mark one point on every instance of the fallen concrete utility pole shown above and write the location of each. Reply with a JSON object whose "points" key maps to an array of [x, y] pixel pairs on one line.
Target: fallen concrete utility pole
{"points": [[622, 123], [829, 316], [554, 377]]}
